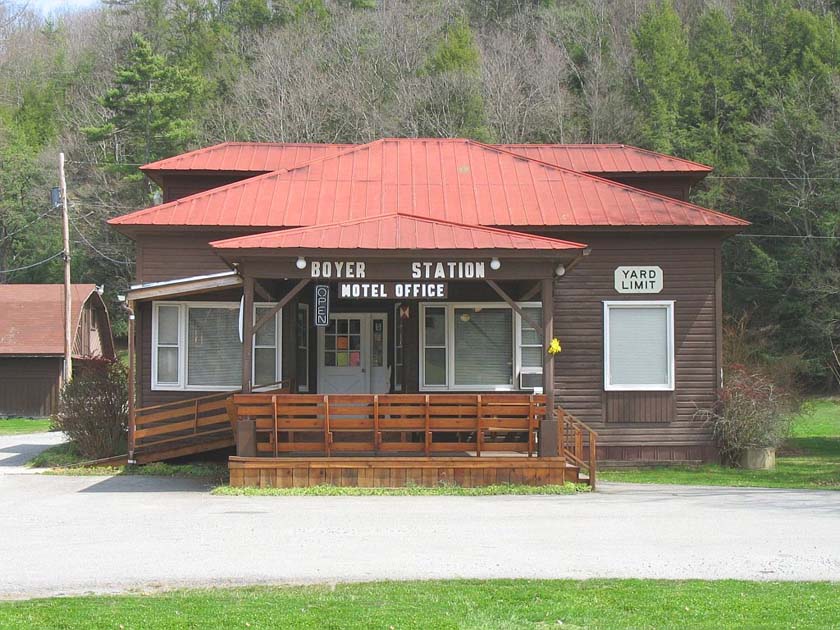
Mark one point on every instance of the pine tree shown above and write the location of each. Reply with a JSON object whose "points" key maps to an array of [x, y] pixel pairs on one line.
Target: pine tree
{"points": [[149, 110]]}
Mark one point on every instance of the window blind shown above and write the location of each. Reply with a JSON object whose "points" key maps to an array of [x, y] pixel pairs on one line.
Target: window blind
{"points": [[483, 346], [214, 353], [638, 351]]}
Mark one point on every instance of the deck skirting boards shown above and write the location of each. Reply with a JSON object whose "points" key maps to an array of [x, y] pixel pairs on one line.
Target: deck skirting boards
{"points": [[396, 472]]}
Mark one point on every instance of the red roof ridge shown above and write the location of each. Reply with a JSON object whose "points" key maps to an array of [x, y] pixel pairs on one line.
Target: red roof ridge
{"points": [[405, 215]]}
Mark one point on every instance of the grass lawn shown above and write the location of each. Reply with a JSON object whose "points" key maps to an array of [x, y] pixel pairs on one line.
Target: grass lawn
{"points": [[810, 459], [466, 604], [442, 490], [17, 426]]}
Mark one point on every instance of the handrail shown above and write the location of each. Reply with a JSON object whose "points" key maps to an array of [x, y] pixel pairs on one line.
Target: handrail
{"points": [[573, 436]]}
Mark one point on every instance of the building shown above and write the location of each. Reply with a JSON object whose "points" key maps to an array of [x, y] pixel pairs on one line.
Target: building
{"points": [[440, 267], [32, 342]]}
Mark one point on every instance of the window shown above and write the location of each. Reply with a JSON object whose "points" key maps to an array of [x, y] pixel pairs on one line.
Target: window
{"points": [[302, 363], [639, 345], [434, 346], [398, 349], [343, 342], [483, 342], [196, 346], [530, 348], [483, 346]]}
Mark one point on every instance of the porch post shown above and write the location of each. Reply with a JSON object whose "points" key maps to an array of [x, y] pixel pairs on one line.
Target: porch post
{"points": [[132, 376], [247, 332], [548, 429]]}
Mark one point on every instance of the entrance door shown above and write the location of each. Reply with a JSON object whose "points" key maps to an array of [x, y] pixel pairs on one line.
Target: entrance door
{"points": [[352, 354]]}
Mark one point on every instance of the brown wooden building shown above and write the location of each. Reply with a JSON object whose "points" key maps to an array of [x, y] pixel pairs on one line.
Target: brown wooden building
{"points": [[32, 342], [439, 268]]}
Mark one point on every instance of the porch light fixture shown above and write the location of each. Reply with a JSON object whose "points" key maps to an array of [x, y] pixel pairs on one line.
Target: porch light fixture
{"points": [[560, 270], [300, 263], [495, 264]]}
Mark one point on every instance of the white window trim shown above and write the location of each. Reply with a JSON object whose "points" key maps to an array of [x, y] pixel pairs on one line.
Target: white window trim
{"points": [[449, 310], [305, 308], [660, 387], [183, 359], [278, 341], [398, 371]]}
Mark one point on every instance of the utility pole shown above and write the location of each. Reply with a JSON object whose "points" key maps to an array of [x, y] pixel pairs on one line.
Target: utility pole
{"points": [[68, 305]]}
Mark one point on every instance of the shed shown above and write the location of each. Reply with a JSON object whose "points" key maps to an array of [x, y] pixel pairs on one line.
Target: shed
{"points": [[32, 342]]}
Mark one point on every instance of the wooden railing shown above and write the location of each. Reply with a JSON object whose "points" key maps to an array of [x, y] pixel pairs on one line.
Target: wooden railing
{"points": [[172, 425], [417, 424], [183, 426], [579, 443]]}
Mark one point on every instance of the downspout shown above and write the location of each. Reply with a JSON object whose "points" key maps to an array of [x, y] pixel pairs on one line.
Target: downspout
{"points": [[129, 307]]}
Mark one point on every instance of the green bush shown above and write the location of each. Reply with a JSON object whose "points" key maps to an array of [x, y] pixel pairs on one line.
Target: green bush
{"points": [[93, 410]]}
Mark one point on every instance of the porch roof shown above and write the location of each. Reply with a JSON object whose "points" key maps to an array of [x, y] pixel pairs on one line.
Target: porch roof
{"points": [[184, 286], [396, 231]]}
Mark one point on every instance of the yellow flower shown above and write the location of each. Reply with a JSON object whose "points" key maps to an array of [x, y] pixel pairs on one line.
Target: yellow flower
{"points": [[554, 346]]}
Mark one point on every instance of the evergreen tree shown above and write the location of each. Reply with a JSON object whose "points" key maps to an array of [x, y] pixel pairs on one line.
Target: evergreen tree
{"points": [[149, 110]]}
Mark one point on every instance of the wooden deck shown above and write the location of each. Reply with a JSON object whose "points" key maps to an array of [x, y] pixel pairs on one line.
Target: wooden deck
{"points": [[396, 472], [387, 440]]}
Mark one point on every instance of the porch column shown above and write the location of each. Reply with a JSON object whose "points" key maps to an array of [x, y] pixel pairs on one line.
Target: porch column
{"points": [[247, 332], [548, 429]]}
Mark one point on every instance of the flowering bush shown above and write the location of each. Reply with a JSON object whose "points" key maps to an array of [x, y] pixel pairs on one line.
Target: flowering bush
{"points": [[93, 411], [753, 412]]}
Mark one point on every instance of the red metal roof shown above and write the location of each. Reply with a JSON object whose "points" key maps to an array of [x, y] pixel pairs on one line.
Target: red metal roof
{"points": [[258, 157], [32, 317], [454, 180], [608, 158], [248, 157], [395, 231]]}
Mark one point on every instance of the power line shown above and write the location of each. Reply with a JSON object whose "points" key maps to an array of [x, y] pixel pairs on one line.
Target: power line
{"points": [[767, 177], [830, 238], [33, 265], [91, 246], [31, 223]]}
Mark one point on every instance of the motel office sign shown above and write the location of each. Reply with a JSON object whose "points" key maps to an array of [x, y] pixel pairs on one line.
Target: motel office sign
{"points": [[423, 284]]}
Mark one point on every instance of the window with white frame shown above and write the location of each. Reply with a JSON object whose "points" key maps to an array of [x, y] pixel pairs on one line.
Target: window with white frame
{"points": [[639, 345], [302, 362], [196, 346], [530, 348], [479, 346]]}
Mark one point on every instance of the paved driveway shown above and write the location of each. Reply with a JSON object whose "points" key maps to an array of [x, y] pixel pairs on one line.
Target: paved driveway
{"points": [[79, 534]]}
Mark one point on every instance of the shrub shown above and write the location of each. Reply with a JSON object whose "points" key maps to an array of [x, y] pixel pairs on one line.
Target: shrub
{"points": [[93, 410], [753, 412]]}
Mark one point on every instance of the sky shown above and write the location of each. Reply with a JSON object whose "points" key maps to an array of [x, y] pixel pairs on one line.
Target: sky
{"points": [[46, 7]]}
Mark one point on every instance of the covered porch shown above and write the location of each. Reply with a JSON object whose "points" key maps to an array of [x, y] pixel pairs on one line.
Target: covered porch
{"points": [[413, 345]]}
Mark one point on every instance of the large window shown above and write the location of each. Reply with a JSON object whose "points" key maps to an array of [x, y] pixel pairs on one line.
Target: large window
{"points": [[196, 346], [639, 345], [479, 347]]}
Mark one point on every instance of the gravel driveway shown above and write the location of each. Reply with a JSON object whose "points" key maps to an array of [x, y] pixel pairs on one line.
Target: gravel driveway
{"points": [[100, 534]]}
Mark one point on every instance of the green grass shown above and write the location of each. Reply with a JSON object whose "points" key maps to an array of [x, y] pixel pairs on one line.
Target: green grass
{"points": [[63, 454], [455, 604], [442, 490], [17, 426], [810, 459], [203, 470]]}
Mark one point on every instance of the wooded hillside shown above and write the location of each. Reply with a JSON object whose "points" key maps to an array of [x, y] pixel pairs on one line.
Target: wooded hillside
{"points": [[751, 87]]}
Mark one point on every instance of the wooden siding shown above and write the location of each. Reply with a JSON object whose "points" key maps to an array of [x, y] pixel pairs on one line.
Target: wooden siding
{"points": [[93, 336], [178, 185], [651, 426], [645, 426], [171, 257], [29, 386]]}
